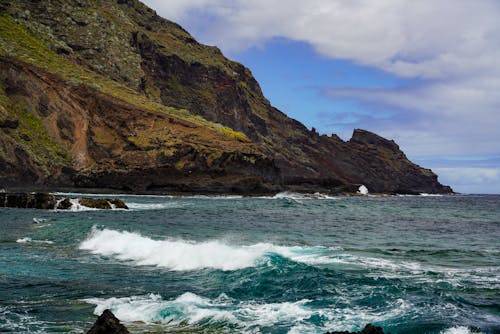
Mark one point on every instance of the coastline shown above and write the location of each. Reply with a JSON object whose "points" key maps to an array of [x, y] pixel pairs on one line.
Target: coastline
{"points": [[352, 190]]}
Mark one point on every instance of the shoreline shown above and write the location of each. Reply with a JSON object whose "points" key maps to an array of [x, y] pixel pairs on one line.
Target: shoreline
{"points": [[164, 193]]}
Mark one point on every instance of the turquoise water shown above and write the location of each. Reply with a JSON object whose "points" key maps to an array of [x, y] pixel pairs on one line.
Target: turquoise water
{"points": [[289, 264]]}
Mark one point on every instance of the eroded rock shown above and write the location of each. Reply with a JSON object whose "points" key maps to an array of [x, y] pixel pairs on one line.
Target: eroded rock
{"points": [[107, 323]]}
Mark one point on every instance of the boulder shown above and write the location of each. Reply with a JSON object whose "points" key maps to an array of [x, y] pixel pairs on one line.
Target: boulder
{"points": [[102, 203], [27, 200], [95, 203], [118, 203], [107, 323], [369, 329], [65, 204]]}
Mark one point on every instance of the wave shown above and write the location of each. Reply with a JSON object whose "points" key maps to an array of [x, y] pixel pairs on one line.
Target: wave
{"points": [[15, 321], [300, 196], [459, 330], [195, 310], [155, 206], [27, 240], [192, 309], [178, 254], [431, 195]]}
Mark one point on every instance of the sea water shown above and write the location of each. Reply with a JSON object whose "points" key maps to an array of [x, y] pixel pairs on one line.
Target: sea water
{"points": [[286, 264]]}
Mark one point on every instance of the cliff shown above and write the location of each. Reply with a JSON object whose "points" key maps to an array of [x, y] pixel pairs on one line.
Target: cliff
{"points": [[107, 94]]}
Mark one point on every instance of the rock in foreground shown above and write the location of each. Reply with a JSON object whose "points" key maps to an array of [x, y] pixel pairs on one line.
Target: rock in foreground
{"points": [[107, 323], [369, 329]]}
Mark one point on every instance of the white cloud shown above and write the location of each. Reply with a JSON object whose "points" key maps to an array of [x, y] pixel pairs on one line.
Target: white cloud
{"points": [[453, 117], [453, 46], [471, 180], [426, 38]]}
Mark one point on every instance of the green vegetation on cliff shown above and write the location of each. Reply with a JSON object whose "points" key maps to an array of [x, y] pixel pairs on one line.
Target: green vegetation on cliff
{"points": [[19, 43]]}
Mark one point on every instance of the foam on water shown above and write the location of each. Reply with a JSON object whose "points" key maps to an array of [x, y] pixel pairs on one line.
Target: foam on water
{"points": [[39, 220], [27, 240], [300, 196], [19, 322], [458, 330], [155, 206], [178, 255], [192, 309], [363, 190]]}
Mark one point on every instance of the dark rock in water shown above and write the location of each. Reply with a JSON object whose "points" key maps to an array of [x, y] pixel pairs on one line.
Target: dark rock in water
{"points": [[95, 203], [107, 323], [369, 329], [118, 203], [103, 203], [65, 204], [27, 200], [48, 202]]}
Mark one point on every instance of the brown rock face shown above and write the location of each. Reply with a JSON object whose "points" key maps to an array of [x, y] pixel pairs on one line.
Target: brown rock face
{"points": [[142, 106]]}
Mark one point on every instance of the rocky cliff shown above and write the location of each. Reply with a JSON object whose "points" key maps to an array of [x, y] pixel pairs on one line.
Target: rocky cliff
{"points": [[107, 94]]}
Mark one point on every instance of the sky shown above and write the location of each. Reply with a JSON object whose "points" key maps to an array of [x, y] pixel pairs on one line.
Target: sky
{"points": [[425, 73]]}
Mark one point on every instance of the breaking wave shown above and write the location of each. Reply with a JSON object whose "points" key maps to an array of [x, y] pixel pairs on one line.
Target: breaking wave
{"points": [[179, 255], [189, 255], [195, 310], [155, 206], [459, 330]]}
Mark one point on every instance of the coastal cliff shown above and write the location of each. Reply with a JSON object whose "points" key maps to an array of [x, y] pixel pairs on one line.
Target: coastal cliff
{"points": [[107, 94]]}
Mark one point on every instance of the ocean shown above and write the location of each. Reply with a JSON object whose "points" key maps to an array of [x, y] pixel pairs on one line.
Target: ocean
{"points": [[284, 264]]}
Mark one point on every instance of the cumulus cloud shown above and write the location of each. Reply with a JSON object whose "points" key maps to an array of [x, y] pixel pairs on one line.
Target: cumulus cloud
{"points": [[450, 48], [427, 38], [471, 179]]}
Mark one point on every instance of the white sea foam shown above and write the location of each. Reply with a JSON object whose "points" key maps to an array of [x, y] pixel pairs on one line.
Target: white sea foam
{"points": [[19, 322], [178, 255], [300, 196], [192, 309], [27, 240], [458, 330], [188, 255], [363, 190], [155, 206]]}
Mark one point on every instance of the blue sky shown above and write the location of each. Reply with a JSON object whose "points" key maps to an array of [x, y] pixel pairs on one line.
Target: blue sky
{"points": [[397, 68]]}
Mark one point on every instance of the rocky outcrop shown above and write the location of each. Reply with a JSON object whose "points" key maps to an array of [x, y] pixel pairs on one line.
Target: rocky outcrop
{"points": [[142, 106], [50, 202], [28, 200], [107, 323], [369, 329]]}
